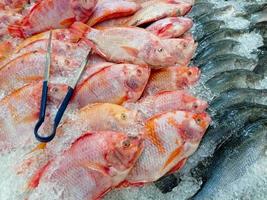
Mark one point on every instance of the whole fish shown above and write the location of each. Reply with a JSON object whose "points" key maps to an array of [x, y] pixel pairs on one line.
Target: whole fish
{"points": [[208, 28], [171, 138], [167, 101], [217, 48], [62, 44], [29, 68], [57, 14], [158, 9], [234, 161], [110, 9], [94, 163], [226, 62], [96, 117], [149, 12], [171, 27], [139, 47], [113, 83], [19, 113], [238, 78], [238, 96], [171, 78]]}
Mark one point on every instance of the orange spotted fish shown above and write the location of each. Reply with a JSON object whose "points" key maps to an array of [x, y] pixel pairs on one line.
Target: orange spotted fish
{"points": [[167, 101], [51, 14], [171, 78], [93, 164], [169, 139]]}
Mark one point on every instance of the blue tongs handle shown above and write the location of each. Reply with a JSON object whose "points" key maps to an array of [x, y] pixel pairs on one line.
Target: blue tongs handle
{"points": [[58, 117]]}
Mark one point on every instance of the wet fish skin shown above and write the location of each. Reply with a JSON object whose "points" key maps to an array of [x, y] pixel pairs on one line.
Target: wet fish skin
{"points": [[261, 67], [226, 62], [19, 112], [238, 78], [106, 9], [139, 47], [29, 68], [166, 183], [260, 27], [238, 96], [170, 27], [57, 14], [94, 163], [167, 101], [171, 78], [215, 49], [238, 154], [215, 12], [201, 8], [229, 122], [208, 28], [221, 34], [171, 137], [128, 83], [95, 117]]}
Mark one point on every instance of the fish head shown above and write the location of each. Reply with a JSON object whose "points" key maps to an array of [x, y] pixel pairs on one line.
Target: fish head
{"points": [[156, 52], [83, 8], [189, 75], [125, 151], [135, 79], [194, 126], [194, 104], [124, 119]]}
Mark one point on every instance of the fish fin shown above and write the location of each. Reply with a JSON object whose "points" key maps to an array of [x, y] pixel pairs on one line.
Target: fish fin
{"points": [[178, 166], [67, 22], [34, 182], [177, 152], [80, 29], [131, 51], [16, 30], [126, 184], [164, 29], [97, 167], [5, 49]]}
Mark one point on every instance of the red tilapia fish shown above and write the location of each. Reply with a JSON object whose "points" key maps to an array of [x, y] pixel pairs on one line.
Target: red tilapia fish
{"points": [[136, 45], [150, 11], [19, 113], [169, 139], [112, 83], [167, 101], [29, 68], [94, 164], [171, 78], [107, 9], [96, 117], [49, 14], [171, 27]]}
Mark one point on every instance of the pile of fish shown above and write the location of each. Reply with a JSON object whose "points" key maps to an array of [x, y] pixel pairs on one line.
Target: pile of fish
{"points": [[131, 119]]}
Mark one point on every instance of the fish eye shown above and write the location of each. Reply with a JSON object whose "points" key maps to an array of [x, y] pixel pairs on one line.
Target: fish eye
{"points": [[55, 89], [126, 143], [189, 73], [160, 50], [195, 105], [198, 120], [139, 72], [123, 116]]}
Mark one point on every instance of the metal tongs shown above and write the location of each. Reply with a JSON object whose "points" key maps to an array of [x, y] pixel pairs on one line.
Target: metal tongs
{"points": [[65, 101]]}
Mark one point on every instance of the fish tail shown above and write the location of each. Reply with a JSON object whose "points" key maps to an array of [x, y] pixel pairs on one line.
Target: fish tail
{"points": [[80, 29]]}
